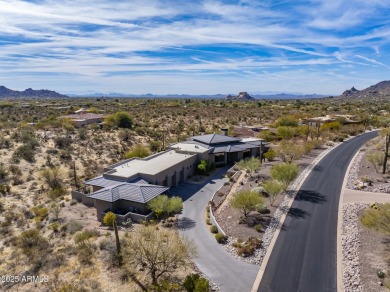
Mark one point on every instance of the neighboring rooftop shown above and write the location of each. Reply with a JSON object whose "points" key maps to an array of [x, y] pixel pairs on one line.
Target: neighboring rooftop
{"points": [[85, 116], [130, 192], [151, 165], [214, 139], [189, 147]]}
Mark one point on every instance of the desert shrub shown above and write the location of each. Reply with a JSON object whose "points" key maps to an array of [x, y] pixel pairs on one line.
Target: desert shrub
{"points": [[62, 142], [331, 126], [268, 136], [120, 120], [251, 164], [53, 177], [270, 155], [73, 202], [5, 189], [208, 221], [249, 247], [139, 151], [220, 238], [377, 218], [30, 241], [55, 226], [109, 219], [83, 236], [380, 274], [258, 228], [214, 229], [40, 211], [25, 152], [82, 132], [286, 121], [196, 283], [3, 171], [73, 226]]}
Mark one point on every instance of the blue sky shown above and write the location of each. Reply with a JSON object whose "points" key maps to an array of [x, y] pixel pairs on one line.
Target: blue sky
{"points": [[194, 47]]}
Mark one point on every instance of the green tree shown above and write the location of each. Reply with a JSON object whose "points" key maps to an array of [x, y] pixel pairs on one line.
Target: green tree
{"points": [[196, 283], [162, 204], [273, 188], [284, 172], [285, 133], [120, 120], [246, 201], [139, 151]]}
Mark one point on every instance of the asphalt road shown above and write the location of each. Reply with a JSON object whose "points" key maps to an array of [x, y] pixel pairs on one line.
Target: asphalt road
{"points": [[212, 259], [305, 254]]}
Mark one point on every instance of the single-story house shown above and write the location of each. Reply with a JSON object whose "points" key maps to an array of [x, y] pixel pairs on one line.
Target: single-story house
{"points": [[83, 119], [126, 187]]}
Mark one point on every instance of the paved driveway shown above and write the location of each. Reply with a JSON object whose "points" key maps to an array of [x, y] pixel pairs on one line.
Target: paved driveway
{"points": [[220, 267]]}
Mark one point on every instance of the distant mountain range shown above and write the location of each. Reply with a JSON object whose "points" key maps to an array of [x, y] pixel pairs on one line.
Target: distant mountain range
{"points": [[29, 93], [377, 92], [216, 96]]}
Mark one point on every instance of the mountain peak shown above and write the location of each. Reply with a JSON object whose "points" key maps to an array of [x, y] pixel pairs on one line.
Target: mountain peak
{"points": [[29, 92]]}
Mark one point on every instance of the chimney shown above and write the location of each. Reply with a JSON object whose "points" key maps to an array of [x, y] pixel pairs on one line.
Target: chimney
{"points": [[224, 131]]}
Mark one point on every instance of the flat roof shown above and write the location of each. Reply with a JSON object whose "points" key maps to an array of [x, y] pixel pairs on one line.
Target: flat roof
{"points": [[150, 165], [189, 147]]}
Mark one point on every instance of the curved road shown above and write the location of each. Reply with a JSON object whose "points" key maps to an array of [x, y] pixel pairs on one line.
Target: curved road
{"points": [[228, 273], [304, 256]]}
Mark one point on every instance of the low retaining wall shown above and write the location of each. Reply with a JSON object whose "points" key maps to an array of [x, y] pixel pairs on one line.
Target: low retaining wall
{"points": [[212, 218], [82, 198], [133, 216]]}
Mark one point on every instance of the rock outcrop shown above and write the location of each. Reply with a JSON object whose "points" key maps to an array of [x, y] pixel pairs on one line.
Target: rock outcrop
{"points": [[241, 96]]}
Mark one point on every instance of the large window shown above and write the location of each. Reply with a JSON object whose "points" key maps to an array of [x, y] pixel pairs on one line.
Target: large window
{"points": [[219, 158]]}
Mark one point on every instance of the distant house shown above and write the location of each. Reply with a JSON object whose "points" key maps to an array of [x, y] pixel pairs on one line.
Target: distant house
{"points": [[126, 187], [83, 119], [248, 131]]}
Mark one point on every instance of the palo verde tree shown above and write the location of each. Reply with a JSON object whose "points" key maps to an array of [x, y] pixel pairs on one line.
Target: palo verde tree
{"points": [[273, 188], [159, 251], [247, 201], [162, 204], [284, 172]]}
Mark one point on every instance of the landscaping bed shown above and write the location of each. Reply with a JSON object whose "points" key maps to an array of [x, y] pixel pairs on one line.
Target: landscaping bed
{"points": [[363, 175], [240, 229]]}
